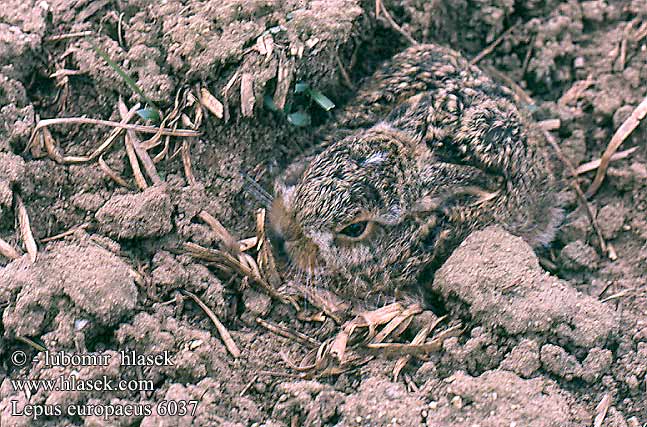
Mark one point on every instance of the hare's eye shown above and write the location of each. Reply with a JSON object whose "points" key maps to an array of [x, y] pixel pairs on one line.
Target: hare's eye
{"points": [[356, 231]]}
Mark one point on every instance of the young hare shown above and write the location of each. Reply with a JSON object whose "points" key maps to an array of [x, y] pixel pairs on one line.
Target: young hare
{"points": [[429, 150]]}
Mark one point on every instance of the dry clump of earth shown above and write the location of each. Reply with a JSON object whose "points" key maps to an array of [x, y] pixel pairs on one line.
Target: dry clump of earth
{"points": [[550, 339]]}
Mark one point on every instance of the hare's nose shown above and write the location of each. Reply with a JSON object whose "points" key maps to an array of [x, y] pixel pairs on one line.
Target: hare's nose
{"points": [[278, 243]]}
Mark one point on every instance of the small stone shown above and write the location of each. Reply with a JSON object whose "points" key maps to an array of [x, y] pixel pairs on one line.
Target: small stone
{"points": [[457, 402], [610, 220], [145, 214], [576, 227], [523, 359], [577, 256], [596, 364], [605, 106], [256, 305], [574, 147], [556, 360], [621, 115]]}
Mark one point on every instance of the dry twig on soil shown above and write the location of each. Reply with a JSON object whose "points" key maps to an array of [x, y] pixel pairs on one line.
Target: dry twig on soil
{"points": [[594, 164], [618, 138], [578, 190], [379, 8], [492, 45], [222, 331], [25, 229]]}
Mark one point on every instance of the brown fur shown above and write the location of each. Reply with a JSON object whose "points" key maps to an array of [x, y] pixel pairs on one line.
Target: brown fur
{"points": [[429, 150]]}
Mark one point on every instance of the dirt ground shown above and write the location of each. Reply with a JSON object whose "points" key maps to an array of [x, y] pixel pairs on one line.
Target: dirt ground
{"points": [[551, 339]]}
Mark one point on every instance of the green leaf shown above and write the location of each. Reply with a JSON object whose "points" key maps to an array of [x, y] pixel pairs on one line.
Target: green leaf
{"points": [[268, 101], [301, 87], [149, 114], [129, 81], [321, 99], [299, 118]]}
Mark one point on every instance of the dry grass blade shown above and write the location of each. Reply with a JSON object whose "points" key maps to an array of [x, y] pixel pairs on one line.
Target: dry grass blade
{"points": [[408, 313], [377, 317], [284, 77], [247, 99], [33, 344], [344, 74], [601, 410], [370, 320], [8, 251], [417, 349], [211, 103], [420, 338], [287, 333], [492, 46], [25, 229], [247, 244], [186, 162], [52, 147], [550, 124], [227, 261], [618, 138], [594, 164], [87, 121], [617, 295], [326, 301], [142, 154], [108, 142], [134, 164], [225, 238], [162, 154], [112, 174], [224, 333], [339, 344]]}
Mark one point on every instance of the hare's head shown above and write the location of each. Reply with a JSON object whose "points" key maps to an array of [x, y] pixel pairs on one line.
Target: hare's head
{"points": [[349, 211]]}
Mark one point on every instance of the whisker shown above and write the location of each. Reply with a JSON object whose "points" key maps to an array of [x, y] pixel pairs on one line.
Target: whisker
{"points": [[255, 190]]}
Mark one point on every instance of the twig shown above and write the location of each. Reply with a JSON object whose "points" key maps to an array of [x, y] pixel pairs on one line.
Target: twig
{"points": [[518, 90], [526, 61], [25, 229], [248, 386], [550, 124], [618, 138], [342, 70], [67, 36], [492, 45], [66, 233], [594, 164], [222, 331], [33, 344], [380, 8], [578, 189]]}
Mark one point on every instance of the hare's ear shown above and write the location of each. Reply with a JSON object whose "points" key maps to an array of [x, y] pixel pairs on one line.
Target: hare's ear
{"points": [[411, 117]]}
